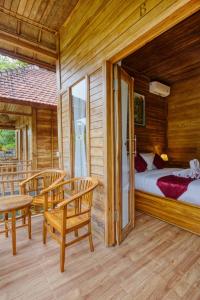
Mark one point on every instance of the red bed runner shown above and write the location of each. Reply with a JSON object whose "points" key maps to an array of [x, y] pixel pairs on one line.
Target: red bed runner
{"points": [[173, 186]]}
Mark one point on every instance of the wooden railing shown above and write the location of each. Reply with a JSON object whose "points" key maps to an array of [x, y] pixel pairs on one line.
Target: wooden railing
{"points": [[15, 166], [9, 181]]}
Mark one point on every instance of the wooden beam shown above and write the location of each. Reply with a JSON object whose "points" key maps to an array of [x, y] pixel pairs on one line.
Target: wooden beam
{"points": [[8, 112], [29, 60], [29, 103], [26, 20], [21, 42], [7, 126]]}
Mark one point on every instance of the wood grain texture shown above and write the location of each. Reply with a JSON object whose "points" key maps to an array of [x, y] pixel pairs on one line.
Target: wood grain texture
{"points": [[184, 122], [99, 31], [96, 137], [172, 211], [32, 25], [47, 141], [172, 56], [104, 30], [157, 261], [153, 136]]}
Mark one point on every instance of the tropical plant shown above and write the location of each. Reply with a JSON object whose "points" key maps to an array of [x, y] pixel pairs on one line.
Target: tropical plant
{"points": [[9, 63], [7, 140]]}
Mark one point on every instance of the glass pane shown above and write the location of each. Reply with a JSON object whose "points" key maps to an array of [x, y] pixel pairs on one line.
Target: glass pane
{"points": [[79, 123], [7, 143], [125, 157]]}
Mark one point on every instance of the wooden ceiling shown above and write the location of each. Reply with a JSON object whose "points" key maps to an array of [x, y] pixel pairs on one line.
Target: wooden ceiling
{"points": [[14, 113], [28, 28], [171, 57]]}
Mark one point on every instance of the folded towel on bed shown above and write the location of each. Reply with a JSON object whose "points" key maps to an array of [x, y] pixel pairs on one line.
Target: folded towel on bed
{"points": [[193, 172]]}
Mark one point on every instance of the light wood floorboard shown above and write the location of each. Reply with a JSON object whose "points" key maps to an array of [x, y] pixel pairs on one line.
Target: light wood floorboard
{"points": [[156, 261]]}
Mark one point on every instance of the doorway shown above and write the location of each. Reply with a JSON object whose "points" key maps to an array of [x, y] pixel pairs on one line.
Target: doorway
{"points": [[124, 148]]}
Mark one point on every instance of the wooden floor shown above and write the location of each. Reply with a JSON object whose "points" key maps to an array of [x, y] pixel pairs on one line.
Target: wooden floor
{"points": [[157, 261]]}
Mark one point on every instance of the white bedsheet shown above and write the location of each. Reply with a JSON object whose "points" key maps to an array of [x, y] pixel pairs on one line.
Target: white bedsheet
{"points": [[146, 182]]}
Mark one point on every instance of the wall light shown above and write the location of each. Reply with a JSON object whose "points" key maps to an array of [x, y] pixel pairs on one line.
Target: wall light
{"points": [[164, 156]]}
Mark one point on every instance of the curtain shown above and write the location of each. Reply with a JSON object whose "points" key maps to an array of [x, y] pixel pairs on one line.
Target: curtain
{"points": [[79, 114]]}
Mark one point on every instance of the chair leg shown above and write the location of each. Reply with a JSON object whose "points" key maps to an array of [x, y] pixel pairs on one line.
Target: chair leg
{"points": [[44, 232], [76, 233], [29, 223], [90, 237], [6, 224], [14, 233], [62, 254]]}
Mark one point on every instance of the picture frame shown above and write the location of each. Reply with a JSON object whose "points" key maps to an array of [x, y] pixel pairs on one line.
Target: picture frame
{"points": [[139, 109]]}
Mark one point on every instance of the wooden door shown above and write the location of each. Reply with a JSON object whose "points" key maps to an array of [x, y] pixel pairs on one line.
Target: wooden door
{"points": [[124, 149]]}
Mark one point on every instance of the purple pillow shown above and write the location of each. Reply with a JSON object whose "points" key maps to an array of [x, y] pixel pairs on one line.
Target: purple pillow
{"points": [[140, 164], [158, 162]]}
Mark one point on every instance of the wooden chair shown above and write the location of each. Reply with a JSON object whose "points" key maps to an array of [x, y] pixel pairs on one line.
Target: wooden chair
{"points": [[39, 185], [71, 214]]}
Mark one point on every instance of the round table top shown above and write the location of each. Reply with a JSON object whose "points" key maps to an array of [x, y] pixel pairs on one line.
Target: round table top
{"points": [[14, 202]]}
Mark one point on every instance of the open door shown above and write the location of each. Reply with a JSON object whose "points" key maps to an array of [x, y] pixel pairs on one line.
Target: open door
{"points": [[124, 149]]}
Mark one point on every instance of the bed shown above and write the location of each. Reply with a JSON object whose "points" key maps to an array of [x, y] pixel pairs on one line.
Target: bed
{"points": [[183, 212]]}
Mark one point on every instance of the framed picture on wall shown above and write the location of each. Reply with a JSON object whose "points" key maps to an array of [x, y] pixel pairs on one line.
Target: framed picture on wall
{"points": [[139, 109]]}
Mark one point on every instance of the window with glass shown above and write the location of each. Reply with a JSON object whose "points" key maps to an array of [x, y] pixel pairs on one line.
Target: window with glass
{"points": [[79, 108], [7, 143]]}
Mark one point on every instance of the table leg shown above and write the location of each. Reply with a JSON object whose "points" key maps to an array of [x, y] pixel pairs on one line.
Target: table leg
{"points": [[14, 232], [29, 222], [6, 224]]}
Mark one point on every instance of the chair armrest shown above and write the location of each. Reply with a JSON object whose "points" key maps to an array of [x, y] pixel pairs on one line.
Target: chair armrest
{"points": [[54, 184], [64, 203], [29, 179]]}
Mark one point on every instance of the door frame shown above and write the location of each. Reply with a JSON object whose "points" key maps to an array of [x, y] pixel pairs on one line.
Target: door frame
{"points": [[170, 21], [121, 233]]}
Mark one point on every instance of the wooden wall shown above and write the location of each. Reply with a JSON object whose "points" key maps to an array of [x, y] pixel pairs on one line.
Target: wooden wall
{"points": [[96, 137], [46, 138], [97, 31], [153, 136], [96, 141], [184, 121], [37, 133]]}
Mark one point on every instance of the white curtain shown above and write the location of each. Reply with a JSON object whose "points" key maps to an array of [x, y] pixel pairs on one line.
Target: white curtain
{"points": [[125, 161], [79, 110]]}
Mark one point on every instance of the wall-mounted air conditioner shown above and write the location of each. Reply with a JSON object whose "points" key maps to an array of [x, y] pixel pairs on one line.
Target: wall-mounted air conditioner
{"points": [[158, 88]]}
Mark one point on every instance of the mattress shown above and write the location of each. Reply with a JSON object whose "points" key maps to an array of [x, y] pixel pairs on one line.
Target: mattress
{"points": [[147, 182]]}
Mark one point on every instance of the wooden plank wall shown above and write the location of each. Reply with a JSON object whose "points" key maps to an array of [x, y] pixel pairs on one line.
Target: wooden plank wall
{"points": [[97, 31], [184, 121], [153, 136], [97, 146], [65, 126], [46, 138]]}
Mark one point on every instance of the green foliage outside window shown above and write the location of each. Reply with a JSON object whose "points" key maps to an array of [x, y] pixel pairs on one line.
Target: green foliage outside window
{"points": [[7, 63], [7, 140]]}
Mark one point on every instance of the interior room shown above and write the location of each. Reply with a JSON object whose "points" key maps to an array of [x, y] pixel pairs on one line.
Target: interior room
{"points": [[166, 73]]}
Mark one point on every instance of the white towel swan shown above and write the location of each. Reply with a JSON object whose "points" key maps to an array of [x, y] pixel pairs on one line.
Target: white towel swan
{"points": [[193, 172]]}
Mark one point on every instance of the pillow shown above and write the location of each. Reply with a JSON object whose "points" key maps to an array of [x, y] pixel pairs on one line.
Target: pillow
{"points": [[148, 157], [140, 164], [158, 162]]}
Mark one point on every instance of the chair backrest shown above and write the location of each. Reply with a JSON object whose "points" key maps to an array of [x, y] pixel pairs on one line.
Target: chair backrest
{"points": [[42, 180], [9, 182], [78, 193]]}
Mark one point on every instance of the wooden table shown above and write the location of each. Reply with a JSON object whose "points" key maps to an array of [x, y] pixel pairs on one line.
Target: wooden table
{"points": [[9, 205]]}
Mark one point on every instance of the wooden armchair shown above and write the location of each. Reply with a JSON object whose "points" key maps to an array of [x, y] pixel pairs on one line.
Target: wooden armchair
{"points": [[71, 214], [39, 185]]}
